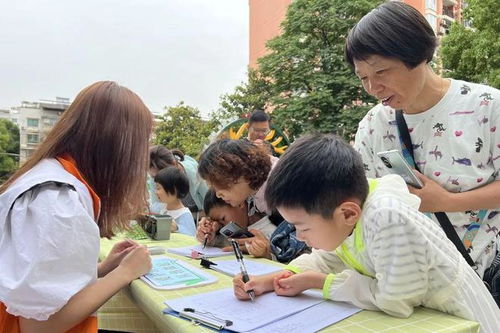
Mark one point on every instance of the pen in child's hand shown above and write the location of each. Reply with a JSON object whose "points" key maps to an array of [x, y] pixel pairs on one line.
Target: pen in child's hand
{"points": [[205, 241], [250, 292], [244, 273]]}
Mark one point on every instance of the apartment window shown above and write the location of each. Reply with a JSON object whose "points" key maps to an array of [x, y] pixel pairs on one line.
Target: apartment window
{"points": [[32, 122], [32, 138], [49, 121], [432, 20], [430, 4]]}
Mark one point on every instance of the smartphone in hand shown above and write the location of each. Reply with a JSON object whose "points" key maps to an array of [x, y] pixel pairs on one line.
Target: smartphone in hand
{"points": [[232, 230], [396, 164]]}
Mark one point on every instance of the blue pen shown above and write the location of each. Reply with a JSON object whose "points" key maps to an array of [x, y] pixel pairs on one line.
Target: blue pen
{"points": [[244, 273]]}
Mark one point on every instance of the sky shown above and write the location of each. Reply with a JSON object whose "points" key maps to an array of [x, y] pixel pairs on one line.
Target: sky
{"points": [[166, 51]]}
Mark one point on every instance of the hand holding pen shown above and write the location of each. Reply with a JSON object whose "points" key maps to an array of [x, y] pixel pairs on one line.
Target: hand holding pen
{"points": [[244, 273], [205, 233]]}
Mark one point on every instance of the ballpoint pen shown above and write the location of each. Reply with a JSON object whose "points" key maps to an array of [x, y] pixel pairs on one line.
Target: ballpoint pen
{"points": [[205, 241], [206, 236], [244, 273]]}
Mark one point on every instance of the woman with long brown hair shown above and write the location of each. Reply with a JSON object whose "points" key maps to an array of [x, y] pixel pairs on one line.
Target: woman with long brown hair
{"points": [[84, 181]]}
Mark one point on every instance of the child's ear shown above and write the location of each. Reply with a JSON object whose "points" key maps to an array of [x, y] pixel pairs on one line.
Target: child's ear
{"points": [[351, 212]]}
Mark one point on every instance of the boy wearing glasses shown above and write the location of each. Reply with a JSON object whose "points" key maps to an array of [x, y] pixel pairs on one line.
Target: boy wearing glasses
{"points": [[258, 128]]}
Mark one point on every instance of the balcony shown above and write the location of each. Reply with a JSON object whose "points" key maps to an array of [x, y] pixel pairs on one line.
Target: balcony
{"points": [[448, 11], [448, 14]]}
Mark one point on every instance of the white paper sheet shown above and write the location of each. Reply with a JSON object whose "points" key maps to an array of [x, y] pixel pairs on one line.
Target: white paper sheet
{"points": [[247, 316], [208, 252], [232, 267], [312, 319]]}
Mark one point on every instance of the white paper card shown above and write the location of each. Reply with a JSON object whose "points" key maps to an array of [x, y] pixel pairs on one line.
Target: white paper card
{"points": [[208, 251], [312, 319], [232, 267]]}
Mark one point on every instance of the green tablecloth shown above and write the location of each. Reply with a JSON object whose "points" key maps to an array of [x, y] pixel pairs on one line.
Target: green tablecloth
{"points": [[151, 302]]}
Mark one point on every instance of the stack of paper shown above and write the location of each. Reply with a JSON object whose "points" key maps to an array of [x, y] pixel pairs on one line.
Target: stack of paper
{"points": [[269, 313]]}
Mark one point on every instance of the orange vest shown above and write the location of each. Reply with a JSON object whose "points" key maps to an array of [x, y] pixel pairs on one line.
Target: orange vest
{"points": [[10, 323]]}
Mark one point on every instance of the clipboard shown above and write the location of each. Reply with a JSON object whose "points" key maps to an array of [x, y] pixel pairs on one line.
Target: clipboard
{"points": [[168, 273], [205, 318], [213, 324], [219, 309]]}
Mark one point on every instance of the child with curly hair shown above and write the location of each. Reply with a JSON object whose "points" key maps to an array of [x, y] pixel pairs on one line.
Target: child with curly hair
{"points": [[237, 171]]}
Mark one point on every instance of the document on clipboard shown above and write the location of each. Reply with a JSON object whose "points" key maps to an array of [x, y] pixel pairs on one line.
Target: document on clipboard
{"points": [[270, 313], [168, 273]]}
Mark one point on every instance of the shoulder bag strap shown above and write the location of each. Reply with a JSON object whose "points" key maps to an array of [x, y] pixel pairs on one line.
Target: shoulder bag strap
{"points": [[443, 219]]}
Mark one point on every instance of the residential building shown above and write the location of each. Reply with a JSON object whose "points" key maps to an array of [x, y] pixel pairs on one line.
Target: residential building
{"points": [[265, 19], [35, 120], [267, 15], [451, 12], [5, 114]]}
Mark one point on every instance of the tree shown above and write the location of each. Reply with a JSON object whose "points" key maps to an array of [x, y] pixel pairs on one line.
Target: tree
{"points": [[474, 54], [182, 127], [251, 95], [307, 81], [9, 148]]}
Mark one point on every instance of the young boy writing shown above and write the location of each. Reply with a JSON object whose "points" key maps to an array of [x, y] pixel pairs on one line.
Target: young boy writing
{"points": [[372, 247], [171, 186]]}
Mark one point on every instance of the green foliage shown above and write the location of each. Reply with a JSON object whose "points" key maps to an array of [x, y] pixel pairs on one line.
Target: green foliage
{"points": [[182, 127], [9, 144], [307, 82], [474, 54], [246, 97]]}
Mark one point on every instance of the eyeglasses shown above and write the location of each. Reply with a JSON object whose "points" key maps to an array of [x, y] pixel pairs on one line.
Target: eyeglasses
{"points": [[264, 131]]}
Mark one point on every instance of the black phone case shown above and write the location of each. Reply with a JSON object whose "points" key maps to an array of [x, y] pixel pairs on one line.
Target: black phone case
{"points": [[232, 230]]}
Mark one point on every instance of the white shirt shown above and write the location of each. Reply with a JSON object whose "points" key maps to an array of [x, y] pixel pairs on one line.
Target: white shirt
{"points": [[264, 225], [456, 144], [49, 242], [408, 260], [184, 220], [259, 197]]}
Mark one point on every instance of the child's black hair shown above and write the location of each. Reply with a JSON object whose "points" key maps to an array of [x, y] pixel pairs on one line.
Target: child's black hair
{"points": [[173, 181], [211, 200], [393, 30], [317, 173]]}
